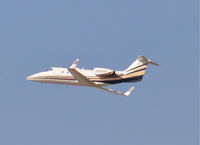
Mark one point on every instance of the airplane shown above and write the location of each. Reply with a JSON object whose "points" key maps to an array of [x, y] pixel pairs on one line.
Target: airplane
{"points": [[96, 78]]}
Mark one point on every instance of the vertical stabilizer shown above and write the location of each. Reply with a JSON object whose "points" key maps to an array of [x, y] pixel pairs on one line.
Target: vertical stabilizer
{"points": [[140, 62], [139, 65]]}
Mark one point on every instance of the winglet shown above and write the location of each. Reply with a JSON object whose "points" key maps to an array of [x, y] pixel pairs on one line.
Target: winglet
{"points": [[74, 64], [129, 91]]}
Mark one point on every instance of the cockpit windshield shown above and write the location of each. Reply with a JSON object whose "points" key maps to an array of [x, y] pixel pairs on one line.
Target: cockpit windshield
{"points": [[49, 69]]}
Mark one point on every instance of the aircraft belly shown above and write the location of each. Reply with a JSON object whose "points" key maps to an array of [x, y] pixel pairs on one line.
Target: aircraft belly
{"points": [[66, 82], [57, 81]]}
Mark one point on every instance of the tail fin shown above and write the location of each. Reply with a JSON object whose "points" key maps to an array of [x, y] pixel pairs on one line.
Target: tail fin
{"points": [[139, 65]]}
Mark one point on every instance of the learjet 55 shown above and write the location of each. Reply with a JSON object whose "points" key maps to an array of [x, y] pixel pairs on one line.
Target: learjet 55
{"points": [[96, 78]]}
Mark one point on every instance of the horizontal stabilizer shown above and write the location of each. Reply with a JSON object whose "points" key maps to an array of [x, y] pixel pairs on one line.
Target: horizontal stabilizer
{"points": [[153, 63]]}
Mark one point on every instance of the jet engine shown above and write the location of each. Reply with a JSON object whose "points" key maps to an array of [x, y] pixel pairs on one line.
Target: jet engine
{"points": [[103, 72]]}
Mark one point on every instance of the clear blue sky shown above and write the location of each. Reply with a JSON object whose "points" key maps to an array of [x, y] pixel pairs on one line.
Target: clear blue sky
{"points": [[37, 34]]}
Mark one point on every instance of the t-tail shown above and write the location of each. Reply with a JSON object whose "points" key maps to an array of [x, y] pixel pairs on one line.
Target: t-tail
{"points": [[137, 69]]}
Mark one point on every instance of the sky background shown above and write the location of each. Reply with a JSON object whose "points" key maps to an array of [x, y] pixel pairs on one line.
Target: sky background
{"points": [[37, 34]]}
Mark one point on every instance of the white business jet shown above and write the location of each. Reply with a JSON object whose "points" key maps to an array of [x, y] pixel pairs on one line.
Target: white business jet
{"points": [[96, 78]]}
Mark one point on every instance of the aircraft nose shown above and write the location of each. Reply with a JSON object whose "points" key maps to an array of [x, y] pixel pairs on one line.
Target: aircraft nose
{"points": [[29, 78], [32, 77]]}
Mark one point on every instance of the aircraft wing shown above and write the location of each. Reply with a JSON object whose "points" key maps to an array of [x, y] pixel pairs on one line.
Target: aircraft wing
{"points": [[74, 64], [77, 75], [80, 77], [85, 81], [127, 93]]}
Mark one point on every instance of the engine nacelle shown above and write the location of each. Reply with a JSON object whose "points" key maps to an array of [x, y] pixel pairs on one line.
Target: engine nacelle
{"points": [[103, 72]]}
